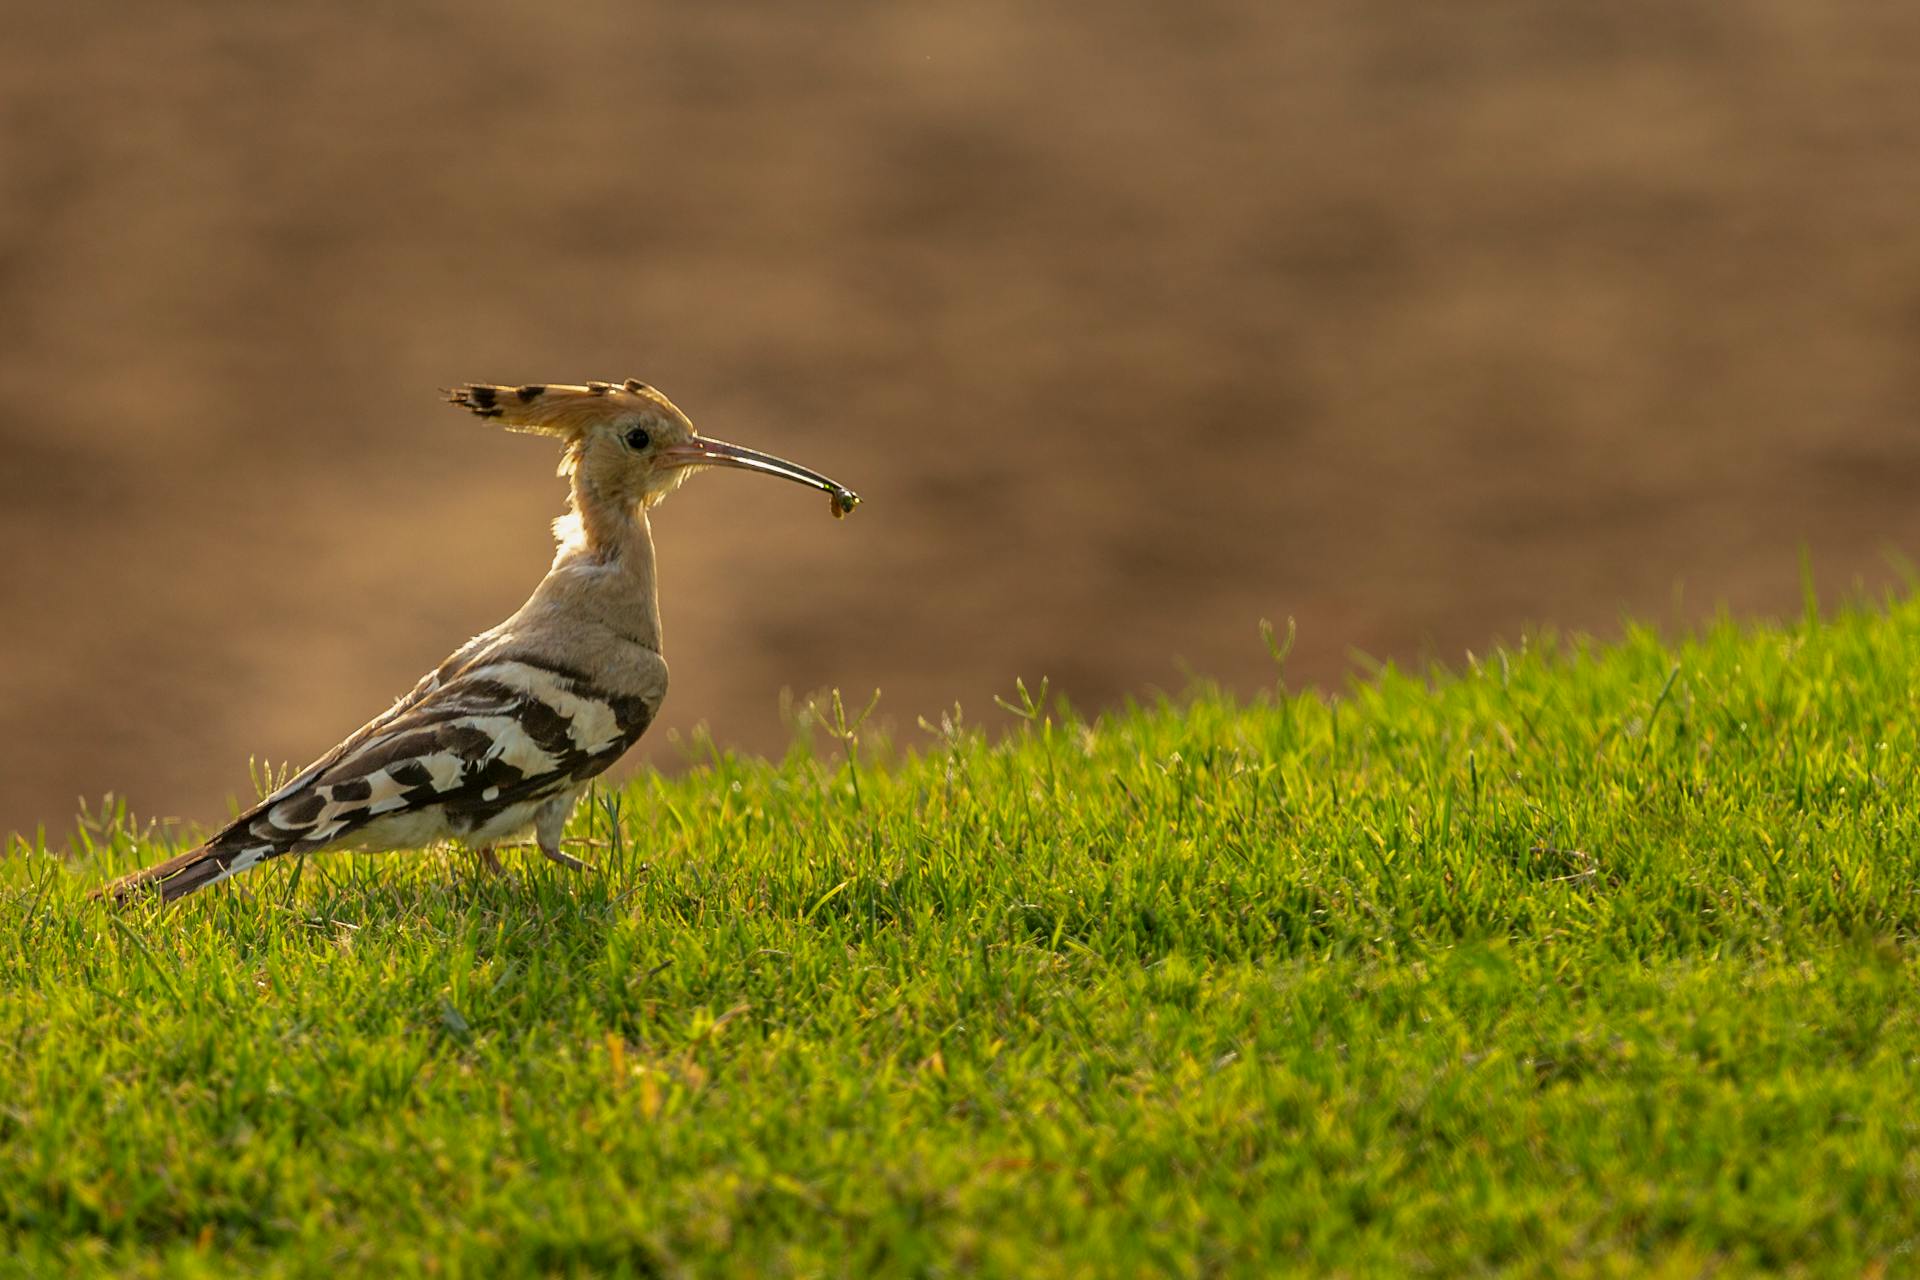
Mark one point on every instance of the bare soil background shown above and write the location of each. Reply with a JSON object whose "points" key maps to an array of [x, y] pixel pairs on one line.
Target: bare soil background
{"points": [[1134, 323]]}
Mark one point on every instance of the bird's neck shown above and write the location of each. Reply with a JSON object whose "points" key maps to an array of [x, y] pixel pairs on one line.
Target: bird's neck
{"points": [[613, 542]]}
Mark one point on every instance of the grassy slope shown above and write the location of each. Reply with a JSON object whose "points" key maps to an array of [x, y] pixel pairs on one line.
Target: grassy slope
{"points": [[1567, 962]]}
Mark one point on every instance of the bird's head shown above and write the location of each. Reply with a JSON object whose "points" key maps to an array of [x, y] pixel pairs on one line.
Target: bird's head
{"points": [[627, 445]]}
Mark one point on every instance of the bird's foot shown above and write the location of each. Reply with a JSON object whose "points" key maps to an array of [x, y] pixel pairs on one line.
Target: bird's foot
{"points": [[555, 853], [567, 860]]}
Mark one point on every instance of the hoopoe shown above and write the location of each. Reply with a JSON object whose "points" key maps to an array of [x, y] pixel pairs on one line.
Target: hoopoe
{"points": [[504, 734]]}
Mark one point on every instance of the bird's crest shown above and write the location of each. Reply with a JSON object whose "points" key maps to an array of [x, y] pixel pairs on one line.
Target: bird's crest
{"points": [[562, 410]]}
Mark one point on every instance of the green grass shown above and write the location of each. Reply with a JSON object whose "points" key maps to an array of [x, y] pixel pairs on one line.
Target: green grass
{"points": [[1579, 960]]}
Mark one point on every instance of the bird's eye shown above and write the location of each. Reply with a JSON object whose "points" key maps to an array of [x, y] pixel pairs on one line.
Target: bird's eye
{"points": [[638, 438]]}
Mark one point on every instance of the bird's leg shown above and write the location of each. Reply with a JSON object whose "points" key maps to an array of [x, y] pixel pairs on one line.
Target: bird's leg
{"points": [[567, 860], [489, 860], [547, 824]]}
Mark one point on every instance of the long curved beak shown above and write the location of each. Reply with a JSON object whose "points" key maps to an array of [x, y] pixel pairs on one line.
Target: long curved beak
{"points": [[702, 452]]}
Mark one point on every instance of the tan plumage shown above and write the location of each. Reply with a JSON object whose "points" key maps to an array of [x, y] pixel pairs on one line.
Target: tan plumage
{"points": [[505, 733]]}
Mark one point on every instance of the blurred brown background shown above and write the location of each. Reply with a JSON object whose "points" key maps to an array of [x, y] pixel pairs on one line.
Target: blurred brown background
{"points": [[1134, 323]]}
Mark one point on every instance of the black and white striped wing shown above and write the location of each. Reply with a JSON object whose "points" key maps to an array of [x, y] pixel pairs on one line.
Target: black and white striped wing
{"points": [[485, 740]]}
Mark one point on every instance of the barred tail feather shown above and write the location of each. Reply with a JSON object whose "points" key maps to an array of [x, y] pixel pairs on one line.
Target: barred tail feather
{"points": [[179, 876]]}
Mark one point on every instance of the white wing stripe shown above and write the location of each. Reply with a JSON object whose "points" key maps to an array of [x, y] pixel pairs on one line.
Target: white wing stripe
{"points": [[512, 744], [445, 768], [591, 723]]}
